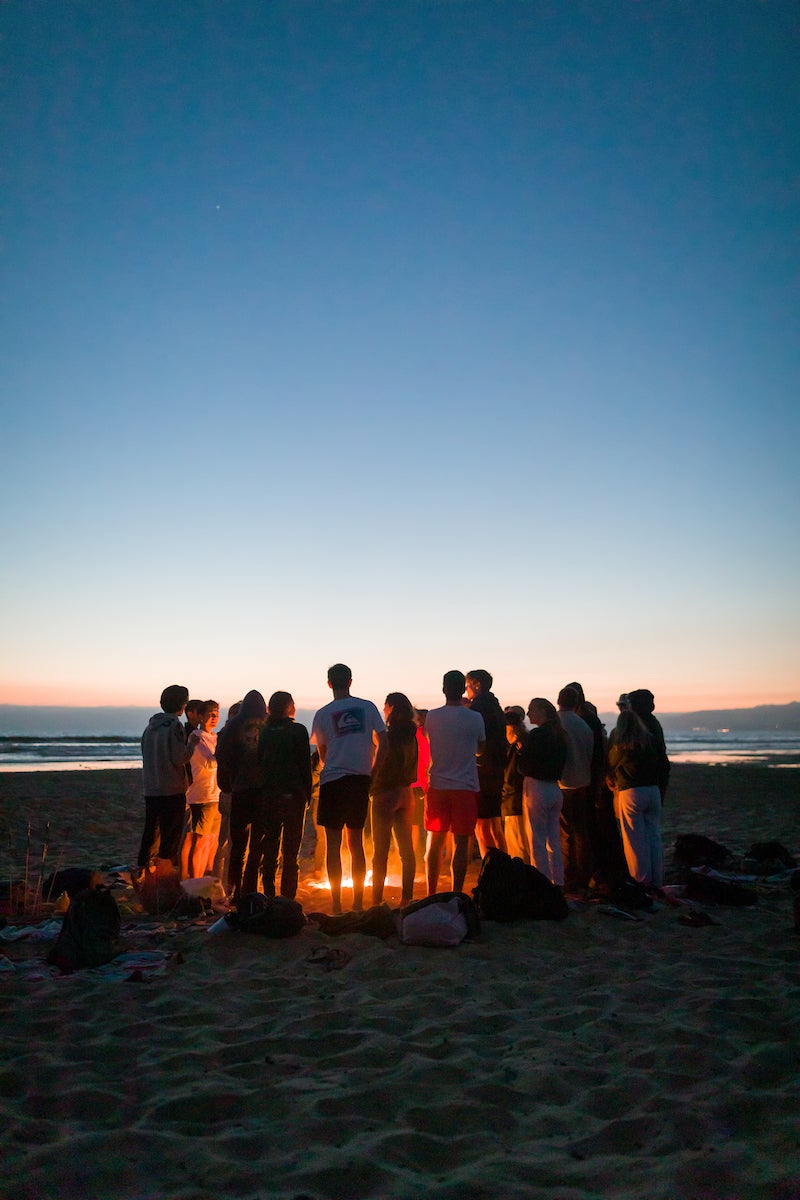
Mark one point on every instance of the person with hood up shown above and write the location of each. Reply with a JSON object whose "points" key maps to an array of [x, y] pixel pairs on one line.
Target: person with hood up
{"points": [[642, 702], [239, 773]]}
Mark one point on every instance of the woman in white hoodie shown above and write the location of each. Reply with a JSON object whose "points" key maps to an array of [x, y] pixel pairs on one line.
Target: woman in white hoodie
{"points": [[203, 794]]}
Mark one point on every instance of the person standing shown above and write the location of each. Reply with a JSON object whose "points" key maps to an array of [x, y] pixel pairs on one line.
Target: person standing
{"points": [[393, 777], [284, 756], [240, 774], [642, 702], [576, 794], [456, 735], [203, 793], [165, 752], [541, 763], [515, 829], [491, 761], [420, 788], [635, 766], [345, 733], [220, 868]]}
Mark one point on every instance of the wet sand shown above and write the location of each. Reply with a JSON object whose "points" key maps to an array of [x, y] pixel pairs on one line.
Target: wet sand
{"points": [[590, 1058]]}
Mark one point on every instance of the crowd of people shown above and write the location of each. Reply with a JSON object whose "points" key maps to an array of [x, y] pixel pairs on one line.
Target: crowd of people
{"points": [[583, 808]]}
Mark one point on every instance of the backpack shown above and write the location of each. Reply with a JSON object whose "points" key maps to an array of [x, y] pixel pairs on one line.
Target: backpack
{"points": [[271, 916], [697, 850], [89, 936], [631, 895], [773, 855], [509, 890], [444, 919]]}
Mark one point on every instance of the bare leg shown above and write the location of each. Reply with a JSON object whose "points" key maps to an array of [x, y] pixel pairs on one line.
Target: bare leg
{"points": [[460, 860], [211, 841], [433, 859], [358, 866], [489, 832], [405, 844], [197, 855], [382, 839], [186, 854], [333, 864]]}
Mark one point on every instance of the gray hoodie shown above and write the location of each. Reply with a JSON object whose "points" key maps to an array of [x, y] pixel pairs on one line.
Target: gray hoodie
{"points": [[164, 756]]}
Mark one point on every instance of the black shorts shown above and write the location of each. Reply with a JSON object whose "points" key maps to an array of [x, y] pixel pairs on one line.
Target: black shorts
{"points": [[343, 802]]}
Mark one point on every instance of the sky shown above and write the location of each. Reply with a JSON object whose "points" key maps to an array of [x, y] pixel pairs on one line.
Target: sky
{"points": [[410, 335]]}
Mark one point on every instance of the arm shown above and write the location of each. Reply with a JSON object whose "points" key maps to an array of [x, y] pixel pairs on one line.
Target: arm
{"points": [[180, 751], [381, 751], [304, 759]]}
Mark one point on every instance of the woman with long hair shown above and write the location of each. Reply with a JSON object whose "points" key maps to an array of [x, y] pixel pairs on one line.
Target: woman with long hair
{"points": [[634, 765], [393, 776], [541, 762]]}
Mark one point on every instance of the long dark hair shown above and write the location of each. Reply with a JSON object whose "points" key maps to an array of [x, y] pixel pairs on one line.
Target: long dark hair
{"points": [[630, 731], [402, 709], [400, 722], [278, 707]]}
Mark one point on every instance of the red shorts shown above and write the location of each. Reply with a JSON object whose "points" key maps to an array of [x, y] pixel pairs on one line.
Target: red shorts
{"points": [[451, 810]]}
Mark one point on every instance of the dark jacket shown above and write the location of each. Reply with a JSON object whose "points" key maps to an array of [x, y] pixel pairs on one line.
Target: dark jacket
{"points": [[642, 703], [237, 746], [588, 713], [544, 753], [491, 763], [634, 766], [512, 784], [284, 756], [396, 761]]}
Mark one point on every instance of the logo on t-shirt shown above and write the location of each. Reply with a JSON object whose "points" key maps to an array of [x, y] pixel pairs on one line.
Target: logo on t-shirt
{"points": [[348, 720]]}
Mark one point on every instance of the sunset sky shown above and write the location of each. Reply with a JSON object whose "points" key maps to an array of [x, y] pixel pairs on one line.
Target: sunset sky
{"points": [[412, 335]]}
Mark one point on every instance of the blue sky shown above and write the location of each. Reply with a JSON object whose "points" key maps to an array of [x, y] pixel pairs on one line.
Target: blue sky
{"points": [[414, 335]]}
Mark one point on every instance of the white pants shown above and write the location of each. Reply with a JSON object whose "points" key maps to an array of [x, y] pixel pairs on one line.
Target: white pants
{"points": [[541, 800], [639, 814]]}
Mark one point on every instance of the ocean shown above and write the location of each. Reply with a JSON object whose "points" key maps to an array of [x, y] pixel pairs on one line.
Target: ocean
{"points": [[52, 747]]}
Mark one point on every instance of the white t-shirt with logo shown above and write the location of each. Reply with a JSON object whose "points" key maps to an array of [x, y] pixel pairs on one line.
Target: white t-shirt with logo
{"points": [[454, 733], [345, 727]]}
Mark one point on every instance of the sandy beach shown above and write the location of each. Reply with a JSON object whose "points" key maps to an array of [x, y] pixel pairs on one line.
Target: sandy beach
{"points": [[589, 1058]]}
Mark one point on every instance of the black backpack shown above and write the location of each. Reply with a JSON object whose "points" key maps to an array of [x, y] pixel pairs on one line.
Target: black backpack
{"points": [[510, 890], [697, 850], [271, 916], [89, 936]]}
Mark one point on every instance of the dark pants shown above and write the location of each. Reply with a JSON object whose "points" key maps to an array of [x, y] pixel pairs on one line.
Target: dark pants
{"points": [[163, 827], [610, 867], [575, 844], [279, 827], [242, 880]]}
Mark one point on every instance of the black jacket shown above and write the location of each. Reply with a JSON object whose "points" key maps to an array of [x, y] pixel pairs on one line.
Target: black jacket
{"points": [[284, 759], [544, 753]]}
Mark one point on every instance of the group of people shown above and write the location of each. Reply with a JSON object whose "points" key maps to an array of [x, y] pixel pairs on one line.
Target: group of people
{"points": [[582, 808]]}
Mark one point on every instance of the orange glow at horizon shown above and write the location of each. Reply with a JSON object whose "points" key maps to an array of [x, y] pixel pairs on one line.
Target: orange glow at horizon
{"points": [[677, 700]]}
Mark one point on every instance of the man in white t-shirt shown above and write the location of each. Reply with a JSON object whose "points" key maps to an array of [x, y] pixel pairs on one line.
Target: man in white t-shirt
{"points": [[345, 733], [456, 735]]}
